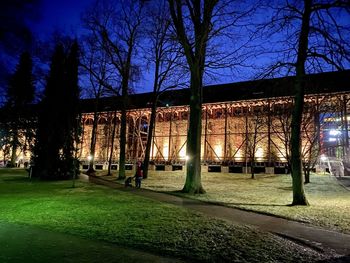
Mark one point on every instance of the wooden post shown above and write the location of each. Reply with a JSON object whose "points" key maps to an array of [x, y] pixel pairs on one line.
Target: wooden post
{"points": [[154, 135], [205, 135], [246, 141], [269, 132], [318, 124], [170, 127], [343, 121], [346, 131], [82, 137], [138, 135], [108, 127], [225, 140]]}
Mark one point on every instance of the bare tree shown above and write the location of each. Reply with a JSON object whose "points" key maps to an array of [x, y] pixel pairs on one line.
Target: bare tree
{"points": [[5, 138], [314, 36], [101, 78], [254, 136], [114, 123], [311, 139], [313, 122], [198, 15], [164, 55], [282, 130], [201, 26], [116, 26]]}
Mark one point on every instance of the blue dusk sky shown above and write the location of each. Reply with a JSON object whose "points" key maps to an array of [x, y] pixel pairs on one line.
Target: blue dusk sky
{"points": [[63, 15]]}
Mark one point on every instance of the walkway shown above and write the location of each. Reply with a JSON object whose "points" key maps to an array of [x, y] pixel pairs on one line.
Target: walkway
{"points": [[345, 181], [338, 170], [306, 234]]}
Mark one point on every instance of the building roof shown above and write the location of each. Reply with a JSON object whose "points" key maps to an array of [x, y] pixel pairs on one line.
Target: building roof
{"points": [[329, 82]]}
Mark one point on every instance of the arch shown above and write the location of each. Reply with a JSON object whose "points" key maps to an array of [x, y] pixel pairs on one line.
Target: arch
{"points": [[102, 120], [88, 121]]}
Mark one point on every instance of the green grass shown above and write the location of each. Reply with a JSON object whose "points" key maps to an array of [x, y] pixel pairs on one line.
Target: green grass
{"points": [[22, 243], [99, 213], [329, 201]]}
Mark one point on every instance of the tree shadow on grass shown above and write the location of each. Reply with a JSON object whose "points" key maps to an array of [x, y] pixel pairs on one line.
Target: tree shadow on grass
{"points": [[179, 193], [276, 205], [343, 259], [287, 188], [16, 179]]}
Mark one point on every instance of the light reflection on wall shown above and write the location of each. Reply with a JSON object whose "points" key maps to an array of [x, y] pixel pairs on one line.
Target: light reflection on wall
{"points": [[259, 154], [182, 153], [239, 156], [153, 151], [281, 157], [166, 151], [218, 151]]}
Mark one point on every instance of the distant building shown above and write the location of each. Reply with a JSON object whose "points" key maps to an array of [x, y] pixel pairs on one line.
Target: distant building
{"points": [[235, 117]]}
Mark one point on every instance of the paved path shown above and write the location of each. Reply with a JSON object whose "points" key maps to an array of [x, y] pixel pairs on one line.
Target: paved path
{"points": [[309, 235], [345, 181], [29, 244]]}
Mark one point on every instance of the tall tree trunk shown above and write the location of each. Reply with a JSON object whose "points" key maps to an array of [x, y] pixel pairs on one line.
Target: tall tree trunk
{"points": [[122, 144], [152, 118], [150, 137], [307, 175], [123, 126], [93, 144], [195, 56], [112, 143], [252, 166], [14, 149], [254, 143], [246, 144], [346, 126], [193, 149], [299, 197]]}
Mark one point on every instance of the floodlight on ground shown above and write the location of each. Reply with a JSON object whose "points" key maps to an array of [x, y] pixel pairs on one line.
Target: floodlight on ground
{"points": [[89, 158], [187, 157]]}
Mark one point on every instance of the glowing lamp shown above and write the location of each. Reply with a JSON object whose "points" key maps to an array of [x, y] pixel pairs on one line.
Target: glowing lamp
{"points": [[323, 158], [334, 132]]}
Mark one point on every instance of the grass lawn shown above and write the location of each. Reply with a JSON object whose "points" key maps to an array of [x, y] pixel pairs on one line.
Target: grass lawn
{"points": [[329, 202], [100, 213], [21, 243]]}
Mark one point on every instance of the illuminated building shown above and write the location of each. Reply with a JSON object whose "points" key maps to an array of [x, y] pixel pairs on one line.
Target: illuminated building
{"points": [[236, 118], [230, 115]]}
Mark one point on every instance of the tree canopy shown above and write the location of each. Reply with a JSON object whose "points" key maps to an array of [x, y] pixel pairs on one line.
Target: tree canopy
{"points": [[57, 122]]}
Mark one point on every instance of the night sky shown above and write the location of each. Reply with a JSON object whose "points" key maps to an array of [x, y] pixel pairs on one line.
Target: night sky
{"points": [[62, 15]]}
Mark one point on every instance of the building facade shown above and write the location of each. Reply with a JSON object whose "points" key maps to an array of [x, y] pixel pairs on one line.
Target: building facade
{"points": [[241, 123]]}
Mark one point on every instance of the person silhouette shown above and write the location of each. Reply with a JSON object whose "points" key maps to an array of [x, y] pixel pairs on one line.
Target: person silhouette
{"points": [[138, 175]]}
